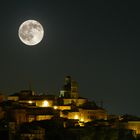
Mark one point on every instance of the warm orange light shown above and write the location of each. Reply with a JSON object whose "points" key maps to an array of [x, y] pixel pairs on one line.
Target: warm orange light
{"points": [[45, 103], [82, 120], [30, 102], [81, 124], [76, 117], [55, 107]]}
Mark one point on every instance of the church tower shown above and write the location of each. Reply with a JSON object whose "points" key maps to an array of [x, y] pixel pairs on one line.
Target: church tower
{"points": [[70, 88]]}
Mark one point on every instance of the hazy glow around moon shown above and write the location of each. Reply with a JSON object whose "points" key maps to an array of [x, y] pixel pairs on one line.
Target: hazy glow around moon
{"points": [[31, 32]]}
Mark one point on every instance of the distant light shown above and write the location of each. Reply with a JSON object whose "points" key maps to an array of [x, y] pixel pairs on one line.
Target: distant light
{"points": [[55, 107], [45, 103], [81, 124], [76, 117], [30, 102], [82, 120]]}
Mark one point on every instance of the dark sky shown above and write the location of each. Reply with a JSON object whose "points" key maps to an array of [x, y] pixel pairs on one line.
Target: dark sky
{"points": [[96, 42]]}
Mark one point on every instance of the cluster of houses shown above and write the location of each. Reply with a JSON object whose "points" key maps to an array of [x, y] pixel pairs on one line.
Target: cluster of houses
{"points": [[26, 107]]}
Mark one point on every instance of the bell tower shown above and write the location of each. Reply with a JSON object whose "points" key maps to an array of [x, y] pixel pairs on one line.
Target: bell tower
{"points": [[70, 88]]}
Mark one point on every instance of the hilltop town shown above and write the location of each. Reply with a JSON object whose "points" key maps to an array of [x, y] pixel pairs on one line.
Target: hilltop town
{"points": [[26, 115]]}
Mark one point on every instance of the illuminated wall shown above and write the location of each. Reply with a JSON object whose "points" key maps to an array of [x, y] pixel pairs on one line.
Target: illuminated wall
{"points": [[44, 103], [88, 115], [39, 103], [39, 117], [64, 107], [73, 115], [77, 101], [133, 125], [13, 98], [43, 117], [28, 101]]}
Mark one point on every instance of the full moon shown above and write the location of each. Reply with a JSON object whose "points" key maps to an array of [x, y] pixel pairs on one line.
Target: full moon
{"points": [[31, 32]]}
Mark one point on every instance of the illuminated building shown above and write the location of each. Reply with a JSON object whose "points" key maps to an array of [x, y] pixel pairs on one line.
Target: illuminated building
{"points": [[13, 98], [74, 115], [63, 107], [69, 92], [37, 114], [44, 103], [68, 109], [67, 105], [88, 115], [132, 125]]}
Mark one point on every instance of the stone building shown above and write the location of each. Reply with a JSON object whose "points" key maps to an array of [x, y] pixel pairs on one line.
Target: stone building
{"points": [[68, 105]]}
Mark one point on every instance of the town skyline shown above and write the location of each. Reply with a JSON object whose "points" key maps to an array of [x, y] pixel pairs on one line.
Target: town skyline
{"points": [[28, 115], [99, 102], [97, 43]]}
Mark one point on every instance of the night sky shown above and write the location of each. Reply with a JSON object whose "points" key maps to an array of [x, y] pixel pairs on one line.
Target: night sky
{"points": [[95, 42]]}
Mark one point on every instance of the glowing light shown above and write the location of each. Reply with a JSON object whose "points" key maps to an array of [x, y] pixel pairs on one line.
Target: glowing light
{"points": [[55, 107], [45, 104], [81, 124], [30, 102], [82, 120], [76, 117]]}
